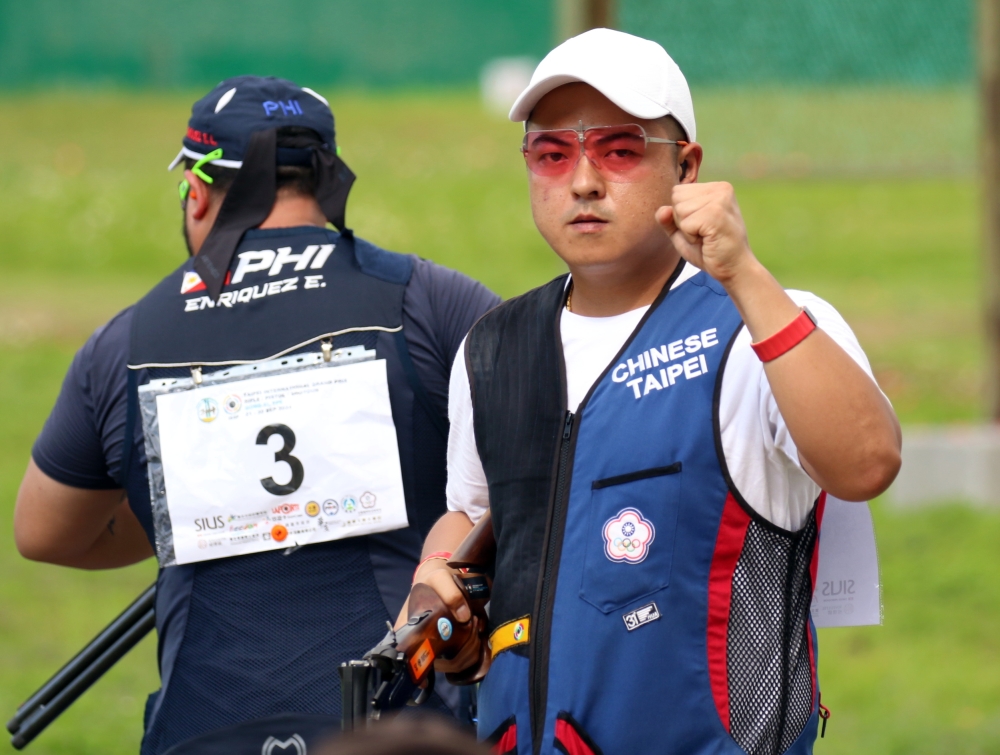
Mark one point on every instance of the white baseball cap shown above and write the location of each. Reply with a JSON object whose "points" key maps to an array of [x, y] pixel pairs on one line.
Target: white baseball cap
{"points": [[634, 73]]}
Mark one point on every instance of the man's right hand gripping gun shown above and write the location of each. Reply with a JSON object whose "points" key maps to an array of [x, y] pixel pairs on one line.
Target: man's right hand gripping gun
{"points": [[399, 670]]}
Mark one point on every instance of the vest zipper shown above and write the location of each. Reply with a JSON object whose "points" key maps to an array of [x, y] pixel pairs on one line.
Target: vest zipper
{"points": [[539, 653]]}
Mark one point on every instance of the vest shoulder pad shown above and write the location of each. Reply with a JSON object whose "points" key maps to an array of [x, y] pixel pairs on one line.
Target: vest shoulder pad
{"points": [[392, 267], [535, 307]]}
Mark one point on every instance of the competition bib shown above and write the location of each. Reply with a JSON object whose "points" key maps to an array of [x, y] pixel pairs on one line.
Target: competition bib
{"points": [[271, 456]]}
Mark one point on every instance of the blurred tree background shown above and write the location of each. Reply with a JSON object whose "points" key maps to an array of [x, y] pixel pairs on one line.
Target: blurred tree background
{"points": [[849, 128]]}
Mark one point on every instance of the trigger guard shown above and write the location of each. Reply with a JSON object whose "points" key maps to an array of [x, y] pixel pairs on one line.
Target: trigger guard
{"points": [[425, 691]]}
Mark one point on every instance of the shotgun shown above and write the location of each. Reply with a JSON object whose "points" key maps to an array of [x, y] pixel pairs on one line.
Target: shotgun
{"points": [[399, 671], [86, 667]]}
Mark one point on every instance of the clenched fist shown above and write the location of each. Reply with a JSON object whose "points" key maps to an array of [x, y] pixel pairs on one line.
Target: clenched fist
{"points": [[706, 227]]}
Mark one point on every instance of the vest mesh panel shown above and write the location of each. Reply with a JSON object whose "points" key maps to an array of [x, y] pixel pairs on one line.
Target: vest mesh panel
{"points": [[770, 680], [248, 651]]}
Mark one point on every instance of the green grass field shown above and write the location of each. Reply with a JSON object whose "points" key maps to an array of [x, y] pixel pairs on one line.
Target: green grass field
{"points": [[89, 221]]}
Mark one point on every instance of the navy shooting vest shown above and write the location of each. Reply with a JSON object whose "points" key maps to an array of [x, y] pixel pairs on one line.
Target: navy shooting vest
{"points": [[253, 636], [639, 603]]}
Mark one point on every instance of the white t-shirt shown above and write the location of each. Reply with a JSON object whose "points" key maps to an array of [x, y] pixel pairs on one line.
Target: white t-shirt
{"points": [[760, 453]]}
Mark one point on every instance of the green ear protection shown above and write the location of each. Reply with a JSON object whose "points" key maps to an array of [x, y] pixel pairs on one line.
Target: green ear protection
{"points": [[184, 188]]}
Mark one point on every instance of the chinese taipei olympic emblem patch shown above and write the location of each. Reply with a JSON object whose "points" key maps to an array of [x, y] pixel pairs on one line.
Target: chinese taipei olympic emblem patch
{"points": [[627, 536]]}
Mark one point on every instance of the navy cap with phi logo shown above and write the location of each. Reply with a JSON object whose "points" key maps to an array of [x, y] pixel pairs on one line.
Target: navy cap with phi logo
{"points": [[227, 116], [242, 124]]}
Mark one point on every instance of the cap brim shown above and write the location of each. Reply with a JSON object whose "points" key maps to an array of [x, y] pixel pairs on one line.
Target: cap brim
{"points": [[630, 101], [176, 161]]}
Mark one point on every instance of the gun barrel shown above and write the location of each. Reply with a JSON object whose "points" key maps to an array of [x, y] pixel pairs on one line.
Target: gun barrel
{"points": [[89, 664], [42, 715], [479, 548]]}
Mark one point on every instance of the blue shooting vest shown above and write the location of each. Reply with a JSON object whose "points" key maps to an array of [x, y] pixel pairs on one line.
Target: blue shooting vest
{"points": [[656, 611], [255, 636]]}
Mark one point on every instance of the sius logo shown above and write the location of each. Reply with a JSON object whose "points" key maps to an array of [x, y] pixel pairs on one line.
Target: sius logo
{"points": [[291, 107], [209, 523], [838, 587]]}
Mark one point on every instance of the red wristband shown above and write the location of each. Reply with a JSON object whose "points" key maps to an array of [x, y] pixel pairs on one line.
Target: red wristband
{"points": [[437, 554], [787, 338]]}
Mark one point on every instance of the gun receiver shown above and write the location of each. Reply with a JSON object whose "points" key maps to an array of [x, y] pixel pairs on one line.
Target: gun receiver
{"points": [[402, 663]]}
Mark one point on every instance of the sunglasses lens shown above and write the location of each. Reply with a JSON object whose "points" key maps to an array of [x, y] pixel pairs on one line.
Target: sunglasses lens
{"points": [[615, 148], [551, 153]]}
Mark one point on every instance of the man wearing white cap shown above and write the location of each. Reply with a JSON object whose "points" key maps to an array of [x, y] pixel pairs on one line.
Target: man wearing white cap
{"points": [[655, 435]]}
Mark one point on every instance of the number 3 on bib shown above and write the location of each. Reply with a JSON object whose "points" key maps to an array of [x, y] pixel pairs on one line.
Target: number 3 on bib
{"points": [[283, 454], [210, 450]]}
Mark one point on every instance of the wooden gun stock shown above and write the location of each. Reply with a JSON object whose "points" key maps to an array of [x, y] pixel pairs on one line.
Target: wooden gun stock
{"points": [[405, 658], [474, 558]]}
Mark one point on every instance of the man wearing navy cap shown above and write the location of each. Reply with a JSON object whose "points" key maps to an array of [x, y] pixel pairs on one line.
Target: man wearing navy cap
{"points": [[269, 421]]}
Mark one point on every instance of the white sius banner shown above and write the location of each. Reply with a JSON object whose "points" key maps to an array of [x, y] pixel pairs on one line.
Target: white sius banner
{"points": [[848, 592], [277, 461]]}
